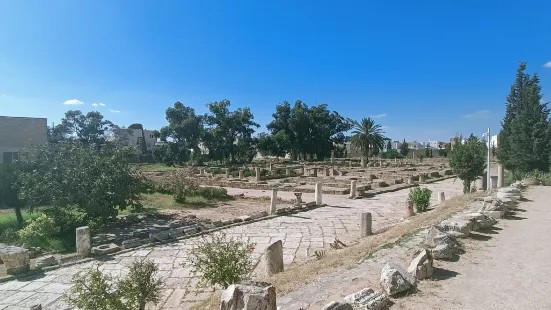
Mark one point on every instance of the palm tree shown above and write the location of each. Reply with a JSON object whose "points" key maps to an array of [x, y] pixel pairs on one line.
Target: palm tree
{"points": [[367, 136]]}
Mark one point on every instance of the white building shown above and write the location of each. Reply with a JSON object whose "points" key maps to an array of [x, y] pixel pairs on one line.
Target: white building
{"points": [[134, 138], [433, 144], [19, 133]]}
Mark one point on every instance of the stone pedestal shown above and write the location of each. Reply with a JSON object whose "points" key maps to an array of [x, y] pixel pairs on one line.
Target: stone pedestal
{"points": [[352, 189], [304, 171], [365, 225], [249, 295], [318, 194], [410, 180], [362, 162], [332, 155], [201, 171], [273, 201], [441, 197], [315, 173], [299, 197], [271, 167], [83, 241], [287, 172], [500, 173], [16, 259], [257, 171], [273, 258], [227, 173], [327, 172], [409, 208], [240, 174]]}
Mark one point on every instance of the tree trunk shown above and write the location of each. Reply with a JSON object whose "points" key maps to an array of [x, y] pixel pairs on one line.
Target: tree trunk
{"points": [[466, 186], [363, 162], [18, 215]]}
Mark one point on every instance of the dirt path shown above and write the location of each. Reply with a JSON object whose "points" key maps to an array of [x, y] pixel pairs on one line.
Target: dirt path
{"points": [[508, 269]]}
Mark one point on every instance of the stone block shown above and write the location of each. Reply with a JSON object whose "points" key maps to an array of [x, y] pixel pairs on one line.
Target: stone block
{"points": [[176, 232], [366, 222], [105, 249], [367, 299], [338, 305], [310, 204], [462, 226], [159, 236], [83, 244], [249, 295], [191, 230], [395, 279], [131, 243], [245, 218], [45, 261], [141, 233], [273, 258], [422, 265], [483, 221], [258, 215], [16, 259]]}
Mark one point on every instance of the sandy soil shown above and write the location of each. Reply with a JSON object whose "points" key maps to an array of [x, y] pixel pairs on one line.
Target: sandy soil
{"points": [[508, 269]]}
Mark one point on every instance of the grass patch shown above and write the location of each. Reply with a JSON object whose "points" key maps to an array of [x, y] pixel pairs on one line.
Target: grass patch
{"points": [[298, 275], [165, 201], [157, 167], [9, 220]]}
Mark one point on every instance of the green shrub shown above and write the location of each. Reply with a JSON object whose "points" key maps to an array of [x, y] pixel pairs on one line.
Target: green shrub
{"points": [[41, 227], [93, 290], [391, 154], [213, 193], [66, 219], [223, 262], [180, 183], [9, 236], [420, 196]]}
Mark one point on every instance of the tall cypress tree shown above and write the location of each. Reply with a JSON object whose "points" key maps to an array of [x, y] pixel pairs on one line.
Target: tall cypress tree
{"points": [[524, 140]]}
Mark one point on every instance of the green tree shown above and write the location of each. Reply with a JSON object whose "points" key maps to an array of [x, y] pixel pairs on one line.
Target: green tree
{"points": [[367, 136], [468, 160], [525, 137], [388, 145], [404, 148], [10, 189], [89, 129], [185, 130], [427, 152]]}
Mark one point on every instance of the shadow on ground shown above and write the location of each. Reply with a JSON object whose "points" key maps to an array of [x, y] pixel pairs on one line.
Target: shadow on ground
{"points": [[444, 274]]}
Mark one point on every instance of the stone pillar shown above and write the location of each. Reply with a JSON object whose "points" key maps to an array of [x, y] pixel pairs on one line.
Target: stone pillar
{"points": [[257, 170], [227, 173], [352, 189], [249, 295], [201, 171], [273, 258], [299, 197], [365, 225], [500, 173], [287, 171], [362, 162], [273, 201], [315, 174], [304, 171], [332, 155], [318, 194], [327, 172], [83, 241], [422, 178], [240, 174], [410, 180], [271, 167], [409, 208], [441, 197], [380, 163]]}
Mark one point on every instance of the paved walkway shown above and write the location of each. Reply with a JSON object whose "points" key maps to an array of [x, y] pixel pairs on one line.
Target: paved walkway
{"points": [[302, 234]]}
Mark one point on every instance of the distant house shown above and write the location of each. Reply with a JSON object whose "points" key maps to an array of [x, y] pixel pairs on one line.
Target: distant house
{"points": [[19, 133], [134, 138]]}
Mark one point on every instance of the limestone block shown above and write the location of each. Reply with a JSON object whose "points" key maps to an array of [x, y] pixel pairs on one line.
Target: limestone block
{"points": [[249, 295], [367, 299], [395, 279], [511, 196], [422, 265], [483, 221], [273, 258], [16, 259], [44, 261], [494, 214], [337, 305], [83, 244], [460, 225]]}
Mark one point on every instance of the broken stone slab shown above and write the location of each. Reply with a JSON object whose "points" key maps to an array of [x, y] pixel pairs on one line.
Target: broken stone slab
{"points": [[217, 224], [131, 243], [511, 196], [249, 295], [191, 230], [16, 259], [367, 299], [45, 261], [338, 305], [310, 204], [105, 249], [460, 225], [446, 247], [395, 279], [483, 221], [422, 265]]}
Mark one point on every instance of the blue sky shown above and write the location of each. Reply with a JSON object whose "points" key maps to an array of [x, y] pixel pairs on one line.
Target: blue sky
{"points": [[425, 69]]}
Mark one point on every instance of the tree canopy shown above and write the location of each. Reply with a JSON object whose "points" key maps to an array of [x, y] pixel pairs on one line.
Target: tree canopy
{"points": [[468, 160], [368, 137]]}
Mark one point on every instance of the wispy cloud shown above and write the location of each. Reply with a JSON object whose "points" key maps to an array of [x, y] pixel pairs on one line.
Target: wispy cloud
{"points": [[114, 111], [72, 102], [547, 64], [385, 127], [479, 114], [378, 115], [98, 104]]}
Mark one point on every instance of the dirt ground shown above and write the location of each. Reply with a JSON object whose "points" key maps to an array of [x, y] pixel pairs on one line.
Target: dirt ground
{"points": [[509, 269]]}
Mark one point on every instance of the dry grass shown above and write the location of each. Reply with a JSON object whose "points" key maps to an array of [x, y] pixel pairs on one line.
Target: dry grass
{"points": [[298, 275]]}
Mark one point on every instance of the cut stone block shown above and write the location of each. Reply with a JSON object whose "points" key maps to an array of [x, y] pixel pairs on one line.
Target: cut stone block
{"points": [[83, 244], [16, 259], [46, 261], [460, 225], [131, 243], [422, 265], [367, 299], [337, 305], [159, 236], [249, 295], [105, 249], [395, 279]]}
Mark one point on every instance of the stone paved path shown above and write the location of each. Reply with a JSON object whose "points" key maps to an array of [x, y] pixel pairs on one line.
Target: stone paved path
{"points": [[302, 234]]}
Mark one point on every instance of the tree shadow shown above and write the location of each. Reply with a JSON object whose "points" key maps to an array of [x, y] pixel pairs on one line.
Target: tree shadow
{"points": [[412, 291], [440, 274], [489, 231], [519, 210], [339, 207], [479, 237], [525, 199], [511, 216]]}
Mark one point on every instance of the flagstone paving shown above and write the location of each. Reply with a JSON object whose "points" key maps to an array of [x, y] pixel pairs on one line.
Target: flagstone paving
{"points": [[301, 233]]}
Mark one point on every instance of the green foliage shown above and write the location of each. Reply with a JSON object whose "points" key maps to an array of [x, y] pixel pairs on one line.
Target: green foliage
{"points": [[179, 183], [212, 193], [219, 261], [525, 137], [543, 178], [368, 137], [41, 227], [391, 154], [93, 290], [98, 183], [420, 196], [9, 236], [468, 160], [10, 188], [404, 148], [89, 129]]}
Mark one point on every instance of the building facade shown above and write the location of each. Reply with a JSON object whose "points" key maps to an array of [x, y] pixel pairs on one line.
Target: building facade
{"points": [[17, 134], [134, 138]]}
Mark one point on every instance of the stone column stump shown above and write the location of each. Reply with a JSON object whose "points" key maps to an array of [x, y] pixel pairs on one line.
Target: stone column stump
{"points": [[318, 194], [83, 241], [273, 258], [257, 171], [409, 208], [16, 259], [299, 197], [352, 189], [273, 201], [365, 224], [441, 197], [240, 174], [500, 173]]}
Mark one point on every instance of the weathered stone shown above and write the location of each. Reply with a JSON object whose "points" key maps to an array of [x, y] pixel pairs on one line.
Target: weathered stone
{"points": [[494, 214], [191, 229], [460, 225], [176, 232], [245, 218], [249, 295], [367, 299], [259, 214], [366, 222], [105, 249], [36, 307], [483, 221], [506, 195], [159, 236], [131, 243], [443, 251], [441, 197], [443, 244], [318, 194], [422, 265], [395, 279], [45, 261], [141, 233], [273, 201], [310, 204], [273, 258], [337, 305], [299, 197], [16, 259], [83, 244]]}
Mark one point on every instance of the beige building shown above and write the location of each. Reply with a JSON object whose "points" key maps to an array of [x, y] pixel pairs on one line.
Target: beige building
{"points": [[18, 133]]}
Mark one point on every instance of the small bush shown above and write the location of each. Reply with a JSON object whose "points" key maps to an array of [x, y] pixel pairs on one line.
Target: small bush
{"points": [[421, 198], [41, 227], [66, 219], [223, 262], [93, 290], [213, 193], [9, 236], [542, 177], [180, 183]]}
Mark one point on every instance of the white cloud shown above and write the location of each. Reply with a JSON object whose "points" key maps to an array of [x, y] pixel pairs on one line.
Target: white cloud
{"points": [[378, 115], [114, 111], [73, 101], [547, 64], [479, 114], [98, 104], [385, 127], [94, 104]]}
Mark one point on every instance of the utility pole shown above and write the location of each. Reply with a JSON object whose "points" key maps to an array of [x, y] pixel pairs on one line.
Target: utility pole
{"points": [[489, 179]]}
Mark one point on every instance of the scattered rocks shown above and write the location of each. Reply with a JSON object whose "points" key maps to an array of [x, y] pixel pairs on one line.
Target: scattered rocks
{"points": [[45, 261], [422, 265], [395, 279], [16, 259], [462, 226], [249, 295], [483, 221], [367, 299]]}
